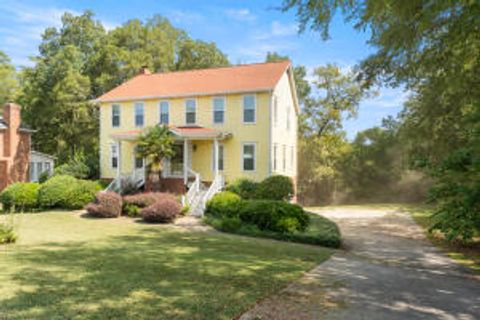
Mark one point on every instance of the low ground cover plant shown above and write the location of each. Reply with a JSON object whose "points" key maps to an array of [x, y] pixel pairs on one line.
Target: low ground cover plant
{"points": [[67, 192], [7, 234], [20, 196], [107, 205]]}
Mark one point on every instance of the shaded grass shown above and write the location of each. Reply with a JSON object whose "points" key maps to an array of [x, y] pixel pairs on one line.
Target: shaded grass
{"points": [[466, 254], [321, 231], [65, 267]]}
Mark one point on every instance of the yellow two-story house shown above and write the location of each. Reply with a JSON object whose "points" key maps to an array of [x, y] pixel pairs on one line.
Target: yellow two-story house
{"points": [[229, 122]]}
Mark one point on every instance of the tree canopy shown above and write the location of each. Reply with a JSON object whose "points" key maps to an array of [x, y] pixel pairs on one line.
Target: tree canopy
{"points": [[81, 60], [8, 79]]}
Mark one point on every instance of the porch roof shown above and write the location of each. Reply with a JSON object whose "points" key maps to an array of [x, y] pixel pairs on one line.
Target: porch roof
{"points": [[182, 132]]}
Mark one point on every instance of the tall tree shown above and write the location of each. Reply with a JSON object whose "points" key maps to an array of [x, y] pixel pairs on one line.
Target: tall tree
{"points": [[8, 80], [433, 47], [322, 139]]}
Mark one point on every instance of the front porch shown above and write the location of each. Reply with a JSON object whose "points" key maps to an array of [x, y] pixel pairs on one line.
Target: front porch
{"points": [[194, 171]]}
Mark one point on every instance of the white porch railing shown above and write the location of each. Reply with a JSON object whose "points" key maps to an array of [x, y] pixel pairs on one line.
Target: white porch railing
{"points": [[193, 190], [216, 186]]}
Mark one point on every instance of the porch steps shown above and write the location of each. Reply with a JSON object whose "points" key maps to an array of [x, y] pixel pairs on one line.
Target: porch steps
{"points": [[196, 209]]}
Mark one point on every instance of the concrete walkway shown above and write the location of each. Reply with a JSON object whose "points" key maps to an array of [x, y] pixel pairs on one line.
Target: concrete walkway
{"points": [[388, 271]]}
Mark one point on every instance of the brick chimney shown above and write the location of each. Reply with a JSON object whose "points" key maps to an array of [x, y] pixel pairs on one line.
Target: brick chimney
{"points": [[11, 115], [144, 70]]}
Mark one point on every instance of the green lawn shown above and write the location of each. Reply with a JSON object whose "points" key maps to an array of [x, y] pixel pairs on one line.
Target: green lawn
{"points": [[68, 267]]}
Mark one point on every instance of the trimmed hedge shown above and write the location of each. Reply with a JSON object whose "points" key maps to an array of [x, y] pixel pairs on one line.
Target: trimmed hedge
{"points": [[162, 211], [107, 205], [245, 188], [67, 192], [276, 188], [21, 195], [224, 204], [275, 216]]}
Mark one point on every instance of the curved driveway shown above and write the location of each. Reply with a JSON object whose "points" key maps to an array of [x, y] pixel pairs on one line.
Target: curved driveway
{"points": [[389, 270]]}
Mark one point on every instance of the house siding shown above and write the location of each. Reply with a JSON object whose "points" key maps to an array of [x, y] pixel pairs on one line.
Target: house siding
{"points": [[257, 133]]}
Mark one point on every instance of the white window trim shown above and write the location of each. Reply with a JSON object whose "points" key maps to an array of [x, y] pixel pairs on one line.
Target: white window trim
{"points": [[224, 110], [254, 109], [284, 158], [160, 111], [185, 111], [135, 114], [254, 144], [213, 156], [119, 116]]}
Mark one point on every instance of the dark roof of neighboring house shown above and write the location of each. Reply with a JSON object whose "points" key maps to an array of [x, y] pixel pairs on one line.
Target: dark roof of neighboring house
{"points": [[3, 124], [222, 80], [23, 127]]}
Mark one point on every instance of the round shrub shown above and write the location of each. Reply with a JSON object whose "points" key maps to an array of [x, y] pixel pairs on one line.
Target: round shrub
{"points": [[131, 210], [162, 211], [223, 204], [107, 205], [275, 216], [245, 188], [67, 192], [146, 199], [21, 195], [276, 188]]}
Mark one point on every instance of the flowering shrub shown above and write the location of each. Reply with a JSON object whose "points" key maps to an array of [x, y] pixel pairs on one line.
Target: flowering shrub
{"points": [[162, 211], [143, 200], [107, 205]]}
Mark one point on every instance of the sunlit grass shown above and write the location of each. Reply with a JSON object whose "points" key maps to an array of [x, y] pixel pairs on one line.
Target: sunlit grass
{"points": [[65, 266]]}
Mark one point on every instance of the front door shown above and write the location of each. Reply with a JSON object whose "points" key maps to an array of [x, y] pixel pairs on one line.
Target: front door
{"points": [[139, 167]]}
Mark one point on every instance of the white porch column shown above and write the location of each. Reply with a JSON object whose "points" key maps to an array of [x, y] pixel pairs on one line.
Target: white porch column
{"points": [[215, 151], [185, 161]]}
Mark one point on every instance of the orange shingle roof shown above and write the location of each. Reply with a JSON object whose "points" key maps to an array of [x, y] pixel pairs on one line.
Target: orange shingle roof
{"points": [[241, 78]]}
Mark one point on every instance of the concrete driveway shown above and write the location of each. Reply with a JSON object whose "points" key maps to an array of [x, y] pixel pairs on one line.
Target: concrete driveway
{"points": [[388, 271]]}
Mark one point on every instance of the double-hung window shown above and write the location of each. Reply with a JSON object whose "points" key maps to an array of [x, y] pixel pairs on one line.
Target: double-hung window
{"points": [[275, 111], [218, 110], [249, 109], [288, 117], [190, 111], [139, 114], [114, 156], [274, 157], [115, 115], [164, 112], [221, 155], [248, 156]]}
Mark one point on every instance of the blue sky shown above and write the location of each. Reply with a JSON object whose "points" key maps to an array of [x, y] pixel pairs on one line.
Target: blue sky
{"points": [[244, 30]]}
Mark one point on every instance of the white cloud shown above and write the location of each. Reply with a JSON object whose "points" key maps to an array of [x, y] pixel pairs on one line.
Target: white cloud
{"points": [[277, 30], [185, 17], [388, 98], [240, 14]]}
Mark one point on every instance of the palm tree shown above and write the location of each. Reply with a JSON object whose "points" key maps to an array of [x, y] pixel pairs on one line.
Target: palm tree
{"points": [[155, 144]]}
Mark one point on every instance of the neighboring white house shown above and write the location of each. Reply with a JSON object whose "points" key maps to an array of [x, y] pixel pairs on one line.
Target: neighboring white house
{"points": [[39, 163]]}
